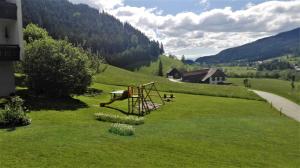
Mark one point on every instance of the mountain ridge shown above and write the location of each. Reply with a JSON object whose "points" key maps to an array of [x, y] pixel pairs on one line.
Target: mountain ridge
{"points": [[269, 47], [119, 43]]}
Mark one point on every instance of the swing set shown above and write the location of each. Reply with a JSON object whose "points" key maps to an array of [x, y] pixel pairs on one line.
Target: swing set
{"points": [[142, 99]]}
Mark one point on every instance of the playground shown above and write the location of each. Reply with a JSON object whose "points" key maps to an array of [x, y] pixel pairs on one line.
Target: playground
{"points": [[141, 99]]}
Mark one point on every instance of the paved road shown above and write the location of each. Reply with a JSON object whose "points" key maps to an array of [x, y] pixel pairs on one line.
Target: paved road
{"points": [[286, 106]]}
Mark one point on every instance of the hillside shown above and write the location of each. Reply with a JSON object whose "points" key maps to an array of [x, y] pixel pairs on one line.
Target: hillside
{"points": [[279, 87], [121, 44], [262, 49], [168, 63], [120, 77]]}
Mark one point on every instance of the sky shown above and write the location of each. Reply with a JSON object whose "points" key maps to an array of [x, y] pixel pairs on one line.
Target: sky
{"points": [[196, 28]]}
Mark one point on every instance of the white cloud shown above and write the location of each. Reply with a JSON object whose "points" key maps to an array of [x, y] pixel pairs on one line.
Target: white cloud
{"points": [[215, 29], [102, 4]]}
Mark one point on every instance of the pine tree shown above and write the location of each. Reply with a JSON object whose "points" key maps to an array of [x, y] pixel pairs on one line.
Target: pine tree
{"points": [[183, 58], [162, 50], [160, 69]]}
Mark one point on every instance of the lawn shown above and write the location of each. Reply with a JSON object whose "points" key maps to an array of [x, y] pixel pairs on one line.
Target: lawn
{"points": [[192, 131], [116, 76], [279, 87]]}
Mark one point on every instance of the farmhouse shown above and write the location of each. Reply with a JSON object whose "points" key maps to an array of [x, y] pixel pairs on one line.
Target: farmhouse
{"points": [[11, 38], [211, 76], [174, 73]]}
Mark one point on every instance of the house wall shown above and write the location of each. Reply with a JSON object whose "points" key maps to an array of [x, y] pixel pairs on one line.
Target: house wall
{"points": [[216, 80], [15, 34]]}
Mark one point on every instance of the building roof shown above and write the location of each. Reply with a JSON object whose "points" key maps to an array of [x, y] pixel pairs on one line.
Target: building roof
{"points": [[203, 74], [197, 72], [209, 74]]}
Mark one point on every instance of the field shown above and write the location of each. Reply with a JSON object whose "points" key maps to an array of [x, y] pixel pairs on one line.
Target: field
{"points": [[120, 77], [239, 70], [192, 131], [279, 87], [168, 64]]}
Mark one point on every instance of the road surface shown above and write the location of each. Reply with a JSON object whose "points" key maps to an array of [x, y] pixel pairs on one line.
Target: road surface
{"points": [[282, 104]]}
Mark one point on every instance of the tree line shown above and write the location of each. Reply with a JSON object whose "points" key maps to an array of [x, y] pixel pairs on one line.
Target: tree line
{"points": [[119, 43]]}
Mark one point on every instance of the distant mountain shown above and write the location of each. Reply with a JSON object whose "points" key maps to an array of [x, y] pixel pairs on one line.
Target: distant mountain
{"points": [[121, 44], [262, 49]]}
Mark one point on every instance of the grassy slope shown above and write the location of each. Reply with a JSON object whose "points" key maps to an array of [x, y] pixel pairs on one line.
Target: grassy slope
{"points": [[193, 131], [238, 70], [279, 87], [168, 63], [116, 76]]}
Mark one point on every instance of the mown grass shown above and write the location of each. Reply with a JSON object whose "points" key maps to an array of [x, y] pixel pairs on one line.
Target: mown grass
{"points": [[192, 131], [279, 87], [117, 76], [131, 120]]}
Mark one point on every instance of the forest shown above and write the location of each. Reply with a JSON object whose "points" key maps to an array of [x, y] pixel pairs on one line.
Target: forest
{"points": [[119, 43]]}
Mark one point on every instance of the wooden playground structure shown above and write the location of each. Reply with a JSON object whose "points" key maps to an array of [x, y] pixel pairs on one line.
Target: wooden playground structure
{"points": [[140, 98]]}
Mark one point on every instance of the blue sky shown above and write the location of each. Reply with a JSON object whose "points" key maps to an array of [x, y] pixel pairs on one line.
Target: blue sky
{"points": [[196, 28]]}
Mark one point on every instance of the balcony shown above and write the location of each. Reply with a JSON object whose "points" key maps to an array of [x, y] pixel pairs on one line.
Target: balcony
{"points": [[9, 53], [8, 10]]}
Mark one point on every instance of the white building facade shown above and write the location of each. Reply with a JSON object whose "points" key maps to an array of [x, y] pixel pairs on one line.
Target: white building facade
{"points": [[11, 43]]}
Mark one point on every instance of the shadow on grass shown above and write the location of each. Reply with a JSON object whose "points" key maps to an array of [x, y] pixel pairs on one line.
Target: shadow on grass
{"points": [[37, 103], [120, 110], [11, 128]]}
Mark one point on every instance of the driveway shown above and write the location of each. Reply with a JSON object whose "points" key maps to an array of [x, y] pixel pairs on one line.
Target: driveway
{"points": [[282, 104]]}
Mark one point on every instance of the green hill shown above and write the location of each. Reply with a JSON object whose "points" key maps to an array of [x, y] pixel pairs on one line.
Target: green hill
{"points": [[116, 76], [270, 47], [120, 43], [279, 87], [168, 63]]}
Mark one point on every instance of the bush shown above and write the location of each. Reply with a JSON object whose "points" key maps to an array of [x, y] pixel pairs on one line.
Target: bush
{"points": [[122, 129], [56, 68], [14, 114], [32, 32], [131, 120]]}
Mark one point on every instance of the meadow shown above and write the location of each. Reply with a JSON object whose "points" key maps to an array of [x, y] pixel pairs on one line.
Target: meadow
{"points": [[202, 127], [168, 64], [280, 87], [116, 76], [192, 131]]}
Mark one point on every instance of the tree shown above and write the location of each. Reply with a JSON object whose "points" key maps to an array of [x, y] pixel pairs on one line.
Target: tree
{"points": [[162, 50], [182, 58], [293, 82], [32, 32], [119, 43], [160, 69], [56, 68]]}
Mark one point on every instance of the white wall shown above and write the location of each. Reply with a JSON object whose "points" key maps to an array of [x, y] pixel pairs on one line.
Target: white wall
{"points": [[15, 33], [216, 80]]}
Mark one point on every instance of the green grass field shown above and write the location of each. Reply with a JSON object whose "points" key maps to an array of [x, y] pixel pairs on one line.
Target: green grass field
{"points": [[168, 64], [279, 87], [120, 77], [192, 131]]}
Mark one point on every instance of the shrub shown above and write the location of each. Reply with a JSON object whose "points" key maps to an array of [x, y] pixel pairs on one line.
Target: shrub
{"points": [[32, 32], [56, 68], [122, 129], [131, 120], [14, 114]]}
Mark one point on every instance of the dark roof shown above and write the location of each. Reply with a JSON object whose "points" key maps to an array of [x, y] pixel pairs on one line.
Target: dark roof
{"points": [[204, 74], [175, 70], [197, 72]]}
